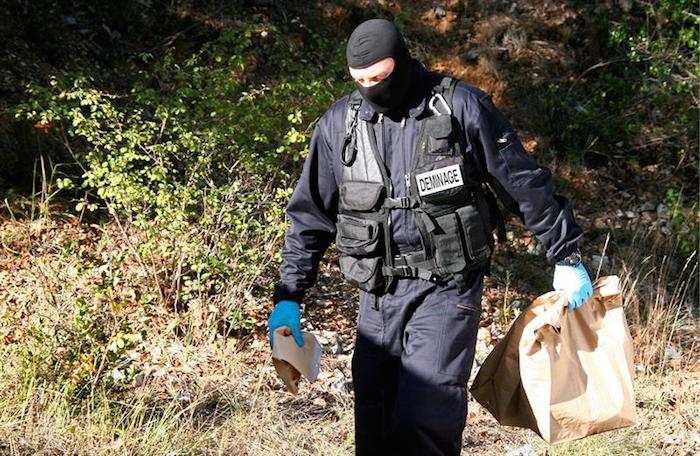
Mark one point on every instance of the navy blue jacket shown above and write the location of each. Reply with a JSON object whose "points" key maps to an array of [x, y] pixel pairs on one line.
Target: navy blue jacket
{"points": [[523, 186]]}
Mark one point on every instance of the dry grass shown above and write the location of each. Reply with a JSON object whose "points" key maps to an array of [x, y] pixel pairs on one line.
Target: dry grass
{"points": [[219, 394], [221, 421]]}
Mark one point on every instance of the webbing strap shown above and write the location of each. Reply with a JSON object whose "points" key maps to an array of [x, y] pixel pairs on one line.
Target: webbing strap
{"points": [[414, 264], [403, 202], [349, 150], [442, 93], [426, 219], [417, 259], [410, 259], [408, 271], [445, 85]]}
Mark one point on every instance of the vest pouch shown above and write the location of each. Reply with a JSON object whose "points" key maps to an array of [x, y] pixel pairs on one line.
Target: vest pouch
{"points": [[361, 196], [475, 230], [357, 236], [447, 239], [442, 181], [438, 130], [365, 273]]}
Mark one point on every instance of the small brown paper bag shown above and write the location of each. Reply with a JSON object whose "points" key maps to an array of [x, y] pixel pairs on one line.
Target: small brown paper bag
{"points": [[563, 375], [292, 361]]}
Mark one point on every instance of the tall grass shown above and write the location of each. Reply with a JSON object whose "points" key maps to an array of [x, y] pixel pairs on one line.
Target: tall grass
{"points": [[660, 290], [202, 394], [39, 418]]}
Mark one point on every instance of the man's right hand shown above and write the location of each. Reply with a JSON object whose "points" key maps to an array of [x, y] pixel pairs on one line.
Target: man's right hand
{"points": [[286, 313]]}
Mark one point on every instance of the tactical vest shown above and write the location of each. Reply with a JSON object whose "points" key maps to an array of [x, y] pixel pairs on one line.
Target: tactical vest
{"points": [[445, 194]]}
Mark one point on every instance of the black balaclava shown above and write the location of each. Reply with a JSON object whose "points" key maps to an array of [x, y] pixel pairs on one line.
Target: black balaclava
{"points": [[370, 42]]}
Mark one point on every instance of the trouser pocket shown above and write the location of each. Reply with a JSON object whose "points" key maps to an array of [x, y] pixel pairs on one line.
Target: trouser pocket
{"points": [[458, 339], [365, 273]]}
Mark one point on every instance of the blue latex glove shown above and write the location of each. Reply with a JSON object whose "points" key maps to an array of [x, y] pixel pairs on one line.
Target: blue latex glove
{"points": [[574, 282], [286, 313]]}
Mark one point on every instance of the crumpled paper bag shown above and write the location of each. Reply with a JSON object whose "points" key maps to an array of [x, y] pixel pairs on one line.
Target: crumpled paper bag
{"points": [[563, 375], [292, 361]]}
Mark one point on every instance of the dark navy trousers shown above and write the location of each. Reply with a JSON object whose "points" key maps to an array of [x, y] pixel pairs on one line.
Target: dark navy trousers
{"points": [[410, 367]]}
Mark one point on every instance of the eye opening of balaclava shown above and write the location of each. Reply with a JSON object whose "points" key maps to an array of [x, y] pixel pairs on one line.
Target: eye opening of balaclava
{"points": [[370, 42]]}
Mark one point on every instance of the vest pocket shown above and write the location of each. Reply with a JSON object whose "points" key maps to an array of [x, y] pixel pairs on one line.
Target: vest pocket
{"points": [[449, 254], [357, 236], [460, 240], [438, 130], [365, 273], [474, 229], [361, 196]]}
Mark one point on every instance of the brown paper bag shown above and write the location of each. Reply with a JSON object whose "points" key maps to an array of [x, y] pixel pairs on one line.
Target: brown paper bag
{"points": [[292, 361], [563, 375]]}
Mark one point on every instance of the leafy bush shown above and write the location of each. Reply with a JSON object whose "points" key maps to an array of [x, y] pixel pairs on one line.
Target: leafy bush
{"points": [[638, 106], [198, 154], [194, 164]]}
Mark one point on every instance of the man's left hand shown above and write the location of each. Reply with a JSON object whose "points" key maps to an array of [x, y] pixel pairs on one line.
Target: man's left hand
{"points": [[574, 282]]}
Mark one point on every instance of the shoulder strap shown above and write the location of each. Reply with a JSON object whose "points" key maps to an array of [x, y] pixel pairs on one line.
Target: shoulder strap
{"points": [[347, 155], [359, 154], [450, 90], [447, 87], [441, 99]]}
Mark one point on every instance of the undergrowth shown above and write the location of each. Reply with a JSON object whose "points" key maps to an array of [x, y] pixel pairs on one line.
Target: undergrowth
{"points": [[192, 166]]}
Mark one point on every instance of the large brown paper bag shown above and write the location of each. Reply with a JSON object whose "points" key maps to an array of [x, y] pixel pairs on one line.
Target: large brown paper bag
{"points": [[563, 375]]}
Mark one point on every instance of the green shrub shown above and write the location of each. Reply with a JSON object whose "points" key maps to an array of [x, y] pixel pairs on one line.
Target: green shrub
{"points": [[195, 163], [200, 154], [637, 106]]}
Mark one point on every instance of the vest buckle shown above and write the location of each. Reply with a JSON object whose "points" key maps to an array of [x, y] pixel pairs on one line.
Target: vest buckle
{"points": [[402, 202]]}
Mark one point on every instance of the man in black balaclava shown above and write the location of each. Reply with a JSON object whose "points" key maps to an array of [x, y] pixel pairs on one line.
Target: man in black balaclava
{"points": [[378, 44], [396, 176]]}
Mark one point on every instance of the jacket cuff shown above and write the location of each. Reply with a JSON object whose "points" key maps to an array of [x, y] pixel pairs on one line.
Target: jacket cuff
{"points": [[284, 292], [564, 252]]}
